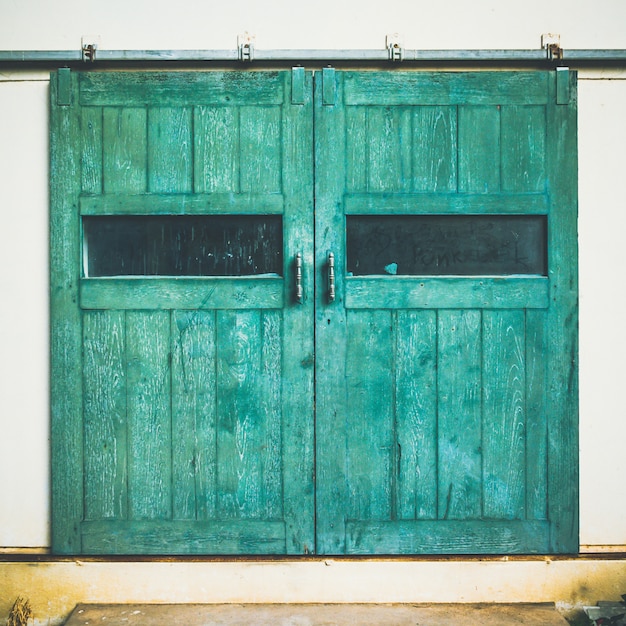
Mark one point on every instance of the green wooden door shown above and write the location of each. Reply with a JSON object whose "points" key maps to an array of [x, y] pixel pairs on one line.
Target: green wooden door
{"points": [[436, 411], [182, 407], [446, 363]]}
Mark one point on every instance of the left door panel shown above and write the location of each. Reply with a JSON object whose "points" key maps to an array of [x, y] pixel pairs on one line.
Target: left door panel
{"points": [[182, 408]]}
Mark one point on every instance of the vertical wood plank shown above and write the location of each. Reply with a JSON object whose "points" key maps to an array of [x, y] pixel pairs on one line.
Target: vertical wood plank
{"points": [[562, 322], [240, 428], [91, 140], [330, 325], [260, 149], [125, 150], [434, 148], [389, 140], [356, 149], [194, 463], [370, 438], [504, 414], [416, 414], [67, 453], [270, 398], [537, 373], [459, 426], [104, 376], [298, 357], [479, 149], [523, 148], [170, 150], [216, 149], [149, 419]]}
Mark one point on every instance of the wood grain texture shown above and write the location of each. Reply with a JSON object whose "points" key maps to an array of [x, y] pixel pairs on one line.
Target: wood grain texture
{"points": [[180, 88], [370, 438], [182, 203], [479, 149], [126, 154], [149, 415], [504, 415], [459, 427], [66, 419], [104, 407], [562, 323], [445, 88], [523, 148], [216, 149], [170, 156], [416, 414], [178, 293], [528, 292], [91, 141], [434, 149], [260, 149], [194, 399]]}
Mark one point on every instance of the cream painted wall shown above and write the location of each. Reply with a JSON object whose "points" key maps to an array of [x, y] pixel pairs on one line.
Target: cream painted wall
{"points": [[32, 24]]}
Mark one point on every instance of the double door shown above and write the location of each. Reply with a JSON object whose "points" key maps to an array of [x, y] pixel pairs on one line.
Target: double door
{"points": [[313, 313]]}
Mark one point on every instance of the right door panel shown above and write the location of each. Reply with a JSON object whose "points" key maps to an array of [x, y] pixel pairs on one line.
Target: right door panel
{"points": [[446, 384]]}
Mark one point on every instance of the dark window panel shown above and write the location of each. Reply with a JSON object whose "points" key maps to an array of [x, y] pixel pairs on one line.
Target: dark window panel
{"points": [[189, 245], [438, 245]]}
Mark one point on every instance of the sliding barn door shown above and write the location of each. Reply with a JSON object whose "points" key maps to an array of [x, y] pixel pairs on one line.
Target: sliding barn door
{"points": [[446, 321], [330, 313], [182, 405]]}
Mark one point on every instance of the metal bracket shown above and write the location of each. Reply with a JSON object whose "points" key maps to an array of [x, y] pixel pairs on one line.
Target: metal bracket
{"points": [[245, 45], [395, 47], [551, 43], [89, 52], [88, 46]]}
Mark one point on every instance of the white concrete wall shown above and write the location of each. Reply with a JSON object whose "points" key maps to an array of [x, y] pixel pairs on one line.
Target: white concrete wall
{"points": [[453, 24]]}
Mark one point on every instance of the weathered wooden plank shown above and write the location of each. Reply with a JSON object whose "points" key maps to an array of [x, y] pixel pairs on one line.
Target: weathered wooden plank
{"points": [[149, 417], [270, 408], [562, 323], [416, 414], [447, 537], [66, 393], [170, 150], [459, 414], [260, 149], [445, 88], [446, 292], [330, 325], [239, 416], [91, 142], [255, 292], [423, 203], [180, 88], [479, 149], [125, 150], [182, 204], [357, 159], [504, 415], [194, 397], [104, 406], [298, 357], [216, 149], [370, 428], [389, 149], [537, 374], [434, 149], [183, 537], [523, 148]]}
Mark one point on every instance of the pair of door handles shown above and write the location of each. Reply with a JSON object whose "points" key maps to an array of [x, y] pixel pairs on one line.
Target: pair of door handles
{"points": [[330, 267]]}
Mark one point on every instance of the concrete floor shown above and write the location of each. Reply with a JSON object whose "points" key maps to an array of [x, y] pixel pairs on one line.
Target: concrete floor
{"points": [[316, 615]]}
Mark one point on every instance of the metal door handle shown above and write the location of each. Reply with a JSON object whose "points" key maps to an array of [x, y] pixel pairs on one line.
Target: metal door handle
{"points": [[331, 277], [299, 290]]}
